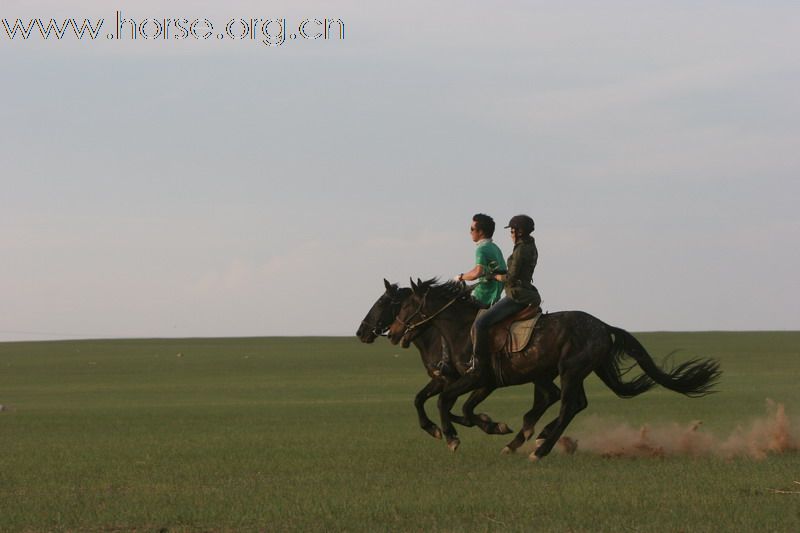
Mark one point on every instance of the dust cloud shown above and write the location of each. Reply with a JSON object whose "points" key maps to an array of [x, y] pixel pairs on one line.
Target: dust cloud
{"points": [[773, 434]]}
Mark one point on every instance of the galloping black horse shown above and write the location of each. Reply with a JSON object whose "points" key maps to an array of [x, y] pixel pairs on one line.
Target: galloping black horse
{"points": [[429, 342], [569, 344]]}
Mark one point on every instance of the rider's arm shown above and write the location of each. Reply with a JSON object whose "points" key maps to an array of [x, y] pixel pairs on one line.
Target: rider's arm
{"points": [[472, 275], [514, 265]]}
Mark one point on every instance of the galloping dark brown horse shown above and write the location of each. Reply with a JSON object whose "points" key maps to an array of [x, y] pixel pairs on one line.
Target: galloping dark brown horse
{"points": [[569, 344], [429, 342]]}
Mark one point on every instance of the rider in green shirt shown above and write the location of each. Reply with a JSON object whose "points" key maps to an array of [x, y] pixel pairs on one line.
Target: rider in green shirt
{"points": [[488, 260]]}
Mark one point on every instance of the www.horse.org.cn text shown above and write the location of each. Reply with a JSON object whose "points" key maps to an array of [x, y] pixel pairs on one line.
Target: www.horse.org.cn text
{"points": [[267, 31]]}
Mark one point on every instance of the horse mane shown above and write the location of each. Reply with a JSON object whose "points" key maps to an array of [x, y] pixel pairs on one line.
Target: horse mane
{"points": [[448, 290]]}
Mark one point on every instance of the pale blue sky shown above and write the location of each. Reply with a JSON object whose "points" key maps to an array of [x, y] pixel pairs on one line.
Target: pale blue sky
{"points": [[225, 189]]}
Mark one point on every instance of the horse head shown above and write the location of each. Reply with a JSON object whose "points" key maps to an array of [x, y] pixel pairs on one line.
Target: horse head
{"points": [[425, 301], [382, 313]]}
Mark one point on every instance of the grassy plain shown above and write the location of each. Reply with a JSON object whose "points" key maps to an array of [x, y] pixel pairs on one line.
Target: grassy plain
{"points": [[281, 434]]}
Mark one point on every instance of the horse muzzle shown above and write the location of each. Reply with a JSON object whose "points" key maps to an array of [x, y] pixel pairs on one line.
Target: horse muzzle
{"points": [[367, 333]]}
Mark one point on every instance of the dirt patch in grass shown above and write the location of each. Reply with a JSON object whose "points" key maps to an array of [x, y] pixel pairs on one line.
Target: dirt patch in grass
{"points": [[774, 433]]}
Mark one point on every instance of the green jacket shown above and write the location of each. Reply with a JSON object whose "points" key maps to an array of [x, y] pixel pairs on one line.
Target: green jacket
{"points": [[519, 281]]}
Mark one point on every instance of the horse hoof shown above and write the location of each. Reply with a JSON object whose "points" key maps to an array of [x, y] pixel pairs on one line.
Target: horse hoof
{"points": [[503, 429], [534, 458], [453, 444], [507, 451], [437, 434]]}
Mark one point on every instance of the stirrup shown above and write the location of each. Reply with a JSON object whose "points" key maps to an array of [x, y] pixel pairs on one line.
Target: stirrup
{"points": [[440, 368], [472, 366]]}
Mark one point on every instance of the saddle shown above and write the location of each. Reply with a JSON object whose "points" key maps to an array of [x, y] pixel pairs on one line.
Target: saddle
{"points": [[514, 333]]}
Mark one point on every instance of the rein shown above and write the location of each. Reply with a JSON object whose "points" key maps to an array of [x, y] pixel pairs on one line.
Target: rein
{"points": [[425, 319]]}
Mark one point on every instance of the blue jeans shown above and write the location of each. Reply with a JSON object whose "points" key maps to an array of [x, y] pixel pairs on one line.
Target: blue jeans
{"points": [[499, 311]]}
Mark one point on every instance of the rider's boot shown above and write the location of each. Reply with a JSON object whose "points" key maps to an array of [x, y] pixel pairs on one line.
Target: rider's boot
{"points": [[472, 366], [443, 367]]}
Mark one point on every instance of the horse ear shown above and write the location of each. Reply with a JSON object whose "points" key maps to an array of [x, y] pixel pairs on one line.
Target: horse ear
{"points": [[387, 284], [413, 286], [419, 282]]}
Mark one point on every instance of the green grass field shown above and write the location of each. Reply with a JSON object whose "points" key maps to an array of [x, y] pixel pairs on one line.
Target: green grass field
{"points": [[309, 434]]}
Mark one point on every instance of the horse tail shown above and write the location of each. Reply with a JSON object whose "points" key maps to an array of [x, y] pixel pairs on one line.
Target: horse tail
{"points": [[693, 378], [612, 370]]}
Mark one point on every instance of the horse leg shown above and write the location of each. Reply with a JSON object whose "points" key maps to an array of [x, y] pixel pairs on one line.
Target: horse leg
{"points": [[545, 394], [545, 432], [482, 420], [447, 398], [465, 421], [460, 420], [573, 401], [434, 387]]}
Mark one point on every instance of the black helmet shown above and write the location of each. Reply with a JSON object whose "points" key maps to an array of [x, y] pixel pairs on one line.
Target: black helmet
{"points": [[522, 224]]}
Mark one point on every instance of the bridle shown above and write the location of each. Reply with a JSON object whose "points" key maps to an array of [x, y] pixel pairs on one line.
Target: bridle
{"points": [[409, 326], [380, 329]]}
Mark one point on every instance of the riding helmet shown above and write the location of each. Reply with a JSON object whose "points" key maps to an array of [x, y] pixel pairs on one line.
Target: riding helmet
{"points": [[521, 223]]}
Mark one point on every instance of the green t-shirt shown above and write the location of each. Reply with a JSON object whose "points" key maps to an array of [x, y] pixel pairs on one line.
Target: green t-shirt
{"points": [[489, 256]]}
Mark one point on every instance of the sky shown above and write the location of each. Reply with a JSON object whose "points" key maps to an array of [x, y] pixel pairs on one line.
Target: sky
{"points": [[204, 188]]}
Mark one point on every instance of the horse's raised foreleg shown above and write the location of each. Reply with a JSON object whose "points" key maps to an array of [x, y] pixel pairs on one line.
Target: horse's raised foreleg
{"points": [[434, 387], [545, 394], [482, 420], [573, 401], [447, 398]]}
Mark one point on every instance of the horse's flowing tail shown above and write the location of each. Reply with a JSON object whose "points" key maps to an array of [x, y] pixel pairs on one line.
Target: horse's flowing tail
{"points": [[693, 378], [612, 370]]}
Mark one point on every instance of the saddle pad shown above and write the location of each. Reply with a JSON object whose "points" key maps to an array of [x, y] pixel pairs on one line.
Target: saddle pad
{"points": [[513, 339], [521, 334]]}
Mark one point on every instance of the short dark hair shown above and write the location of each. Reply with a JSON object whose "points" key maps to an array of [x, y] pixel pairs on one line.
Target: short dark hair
{"points": [[484, 223]]}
